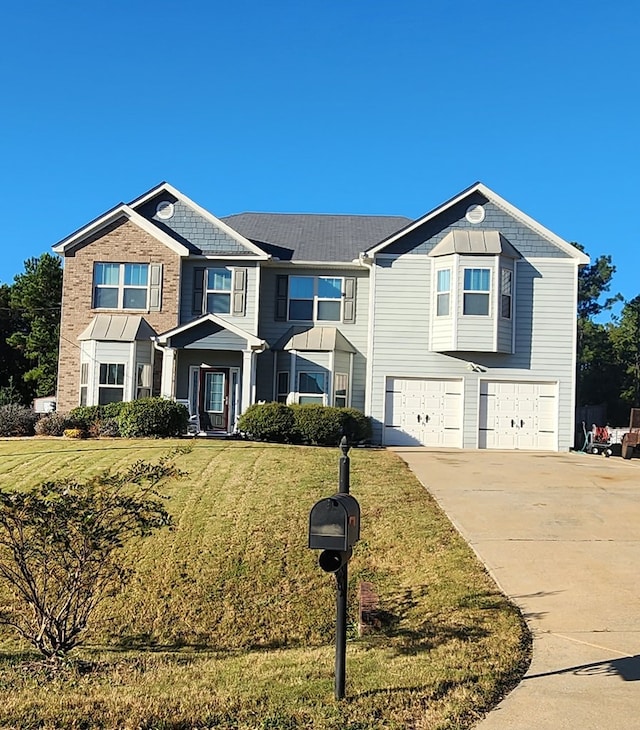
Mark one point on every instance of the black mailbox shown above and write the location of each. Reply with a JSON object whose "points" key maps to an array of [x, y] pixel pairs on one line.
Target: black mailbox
{"points": [[334, 523]]}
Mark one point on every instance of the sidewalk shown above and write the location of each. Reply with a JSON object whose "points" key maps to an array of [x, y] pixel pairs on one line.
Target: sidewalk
{"points": [[560, 534]]}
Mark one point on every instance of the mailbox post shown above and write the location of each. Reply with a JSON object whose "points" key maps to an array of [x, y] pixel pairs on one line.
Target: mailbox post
{"points": [[334, 528]]}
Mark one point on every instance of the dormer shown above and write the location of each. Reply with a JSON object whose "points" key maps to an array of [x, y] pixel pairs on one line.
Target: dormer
{"points": [[473, 285]]}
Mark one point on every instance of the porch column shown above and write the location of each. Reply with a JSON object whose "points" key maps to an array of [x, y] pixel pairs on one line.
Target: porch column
{"points": [[248, 395], [167, 380]]}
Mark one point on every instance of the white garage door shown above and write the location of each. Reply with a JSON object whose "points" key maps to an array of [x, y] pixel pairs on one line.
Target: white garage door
{"points": [[423, 412], [518, 415]]}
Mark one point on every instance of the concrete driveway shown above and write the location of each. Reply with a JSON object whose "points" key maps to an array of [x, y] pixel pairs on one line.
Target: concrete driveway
{"points": [[560, 533]]}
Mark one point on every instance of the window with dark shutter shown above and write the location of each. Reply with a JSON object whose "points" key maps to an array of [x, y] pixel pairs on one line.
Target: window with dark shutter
{"points": [[198, 290], [282, 286]]}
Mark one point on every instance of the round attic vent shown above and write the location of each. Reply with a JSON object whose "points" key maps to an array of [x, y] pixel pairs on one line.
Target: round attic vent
{"points": [[475, 214], [164, 210]]}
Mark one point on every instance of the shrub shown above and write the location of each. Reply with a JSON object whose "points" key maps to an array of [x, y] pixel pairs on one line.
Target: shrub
{"points": [[61, 548], [16, 420], [84, 416], [355, 425], [53, 424], [74, 433], [106, 427], [112, 410], [268, 422], [318, 425], [152, 417]]}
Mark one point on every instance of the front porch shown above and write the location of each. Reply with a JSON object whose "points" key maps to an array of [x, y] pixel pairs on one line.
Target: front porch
{"points": [[210, 366]]}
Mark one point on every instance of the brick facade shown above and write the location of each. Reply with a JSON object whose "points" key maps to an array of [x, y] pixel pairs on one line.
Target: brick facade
{"points": [[120, 242]]}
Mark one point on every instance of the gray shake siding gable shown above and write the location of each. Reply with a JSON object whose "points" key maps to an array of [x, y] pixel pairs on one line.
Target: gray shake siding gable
{"points": [[528, 242]]}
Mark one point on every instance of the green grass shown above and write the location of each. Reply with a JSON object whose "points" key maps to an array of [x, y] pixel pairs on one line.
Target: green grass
{"points": [[227, 622]]}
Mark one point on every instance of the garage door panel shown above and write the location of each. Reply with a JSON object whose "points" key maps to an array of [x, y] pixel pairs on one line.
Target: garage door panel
{"points": [[423, 411], [517, 415]]}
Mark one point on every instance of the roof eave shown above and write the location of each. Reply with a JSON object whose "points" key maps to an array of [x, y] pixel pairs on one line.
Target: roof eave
{"points": [[239, 238], [76, 239], [565, 246]]}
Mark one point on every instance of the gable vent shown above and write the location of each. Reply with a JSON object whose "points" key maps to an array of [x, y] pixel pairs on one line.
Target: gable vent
{"points": [[475, 214], [164, 210]]}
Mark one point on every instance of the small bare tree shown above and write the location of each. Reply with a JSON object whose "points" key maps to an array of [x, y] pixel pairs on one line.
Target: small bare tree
{"points": [[61, 548]]}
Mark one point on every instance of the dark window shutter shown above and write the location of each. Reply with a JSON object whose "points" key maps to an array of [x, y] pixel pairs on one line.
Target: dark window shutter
{"points": [[349, 310], [239, 292], [155, 288], [282, 291], [198, 290]]}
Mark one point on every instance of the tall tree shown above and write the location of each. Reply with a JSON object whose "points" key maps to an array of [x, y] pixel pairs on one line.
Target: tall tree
{"points": [[36, 296], [12, 364], [598, 372], [626, 341]]}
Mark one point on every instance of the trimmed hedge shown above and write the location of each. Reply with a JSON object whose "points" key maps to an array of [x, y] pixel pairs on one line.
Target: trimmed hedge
{"points": [[268, 422], [317, 425], [304, 424], [152, 417]]}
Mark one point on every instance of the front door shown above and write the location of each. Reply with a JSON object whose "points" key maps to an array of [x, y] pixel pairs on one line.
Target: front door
{"points": [[214, 399]]}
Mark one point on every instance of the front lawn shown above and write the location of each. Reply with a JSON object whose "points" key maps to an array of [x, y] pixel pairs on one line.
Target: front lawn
{"points": [[227, 622]]}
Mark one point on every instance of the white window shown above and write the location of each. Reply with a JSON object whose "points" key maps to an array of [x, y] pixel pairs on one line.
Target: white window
{"points": [[340, 390], [315, 298], [143, 380], [312, 388], [121, 286], [282, 386], [111, 383], [443, 292], [505, 293], [218, 290], [477, 285], [84, 382]]}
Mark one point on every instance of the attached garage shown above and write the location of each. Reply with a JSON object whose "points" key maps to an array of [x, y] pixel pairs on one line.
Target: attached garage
{"points": [[518, 415], [423, 412]]}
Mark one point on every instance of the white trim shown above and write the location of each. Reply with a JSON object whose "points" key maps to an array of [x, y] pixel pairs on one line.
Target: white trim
{"points": [[204, 213], [75, 239], [457, 312], [574, 373], [256, 294], [332, 375], [501, 203], [255, 343], [368, 377]]}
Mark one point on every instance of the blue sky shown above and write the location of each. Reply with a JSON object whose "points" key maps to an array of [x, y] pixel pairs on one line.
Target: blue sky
{"points": [[328, 107]]}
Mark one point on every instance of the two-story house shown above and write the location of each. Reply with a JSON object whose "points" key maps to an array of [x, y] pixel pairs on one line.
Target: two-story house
{"points": [[457, 329]]}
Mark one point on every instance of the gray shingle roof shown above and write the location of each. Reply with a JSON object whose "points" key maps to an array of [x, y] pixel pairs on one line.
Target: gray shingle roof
{"points": [[314, 237]]}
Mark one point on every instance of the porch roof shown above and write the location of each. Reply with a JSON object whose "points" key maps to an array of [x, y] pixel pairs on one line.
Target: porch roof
{"points": [[118, 328], [314, 339], [253, 342]]}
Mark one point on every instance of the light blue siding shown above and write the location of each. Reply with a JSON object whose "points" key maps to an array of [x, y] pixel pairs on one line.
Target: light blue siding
{"points": [[545, 323], [248, 320], [272, 330]]}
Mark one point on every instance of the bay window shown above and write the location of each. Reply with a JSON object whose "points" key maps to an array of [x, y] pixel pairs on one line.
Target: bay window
{"points": [[111, 383], [476, 291], [443, 295], [312, 387]]}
